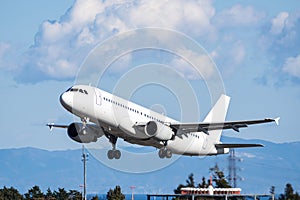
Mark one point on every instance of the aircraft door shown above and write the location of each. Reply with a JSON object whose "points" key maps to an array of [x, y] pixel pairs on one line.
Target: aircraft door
{"points": [[98, 97]]}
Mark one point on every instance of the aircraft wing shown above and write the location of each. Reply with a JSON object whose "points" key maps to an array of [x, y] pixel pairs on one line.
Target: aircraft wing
{"points": [[51, 125], [237, 145], [205, 127]]}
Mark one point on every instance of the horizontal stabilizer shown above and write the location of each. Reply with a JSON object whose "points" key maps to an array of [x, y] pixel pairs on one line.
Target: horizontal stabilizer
{"points": [[220, 146]]}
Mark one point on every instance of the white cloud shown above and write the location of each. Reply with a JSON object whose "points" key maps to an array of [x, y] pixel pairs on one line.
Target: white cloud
{"points": [[238, 52], [229, 56], [239, 15], [292, 66], [4, 47], [279, 22], [191, 17], [203, 66], [283, 33], [246, 155], [185, 69], [280, 45], [8, 56], [84, 12], [60, 46]]}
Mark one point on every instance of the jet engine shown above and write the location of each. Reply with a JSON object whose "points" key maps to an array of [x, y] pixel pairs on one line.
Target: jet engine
{"points": [[158, 130], [84, 134]]}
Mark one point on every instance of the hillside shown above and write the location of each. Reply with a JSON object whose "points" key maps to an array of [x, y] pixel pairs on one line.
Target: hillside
{"points": [[275, 164]]}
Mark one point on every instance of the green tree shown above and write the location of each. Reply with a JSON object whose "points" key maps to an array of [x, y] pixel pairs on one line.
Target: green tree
{"points": [[61, 194], [178, 189], [203, 184], [34, 193], [115, 194], [74, 195], [190, 182], [219, 177], [49, 195], [10, 194], [95, 198], [297, 197], [289, 193], [272, 191]]}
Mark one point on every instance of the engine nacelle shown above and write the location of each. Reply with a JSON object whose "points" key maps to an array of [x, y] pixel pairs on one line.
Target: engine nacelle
{"points": [[159, 131], [81, 134]]}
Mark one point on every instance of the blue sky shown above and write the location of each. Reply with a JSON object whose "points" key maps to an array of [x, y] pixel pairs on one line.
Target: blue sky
{"points": [[254, 44]]}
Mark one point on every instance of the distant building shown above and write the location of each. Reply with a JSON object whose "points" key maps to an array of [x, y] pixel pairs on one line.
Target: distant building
{"points": [[210, 190]]}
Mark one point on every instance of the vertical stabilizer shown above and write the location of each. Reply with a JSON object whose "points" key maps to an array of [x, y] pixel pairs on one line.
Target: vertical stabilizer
{"points": [[217, 114]]}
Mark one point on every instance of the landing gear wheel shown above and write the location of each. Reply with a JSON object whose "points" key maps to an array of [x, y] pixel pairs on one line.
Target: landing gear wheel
{"points": [[110, 154], [168, 153], [117, 154], [161, 153], [165, 153]]}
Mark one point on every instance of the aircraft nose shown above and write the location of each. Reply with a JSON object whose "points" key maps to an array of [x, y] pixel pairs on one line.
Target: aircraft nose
{"points": [[66, 100]]}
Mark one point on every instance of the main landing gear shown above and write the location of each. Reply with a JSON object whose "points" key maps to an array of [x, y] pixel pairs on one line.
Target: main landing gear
{"points": [[164, 152], [114, 153]]}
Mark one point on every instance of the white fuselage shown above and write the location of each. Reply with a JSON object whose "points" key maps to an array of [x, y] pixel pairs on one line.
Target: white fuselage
{"points": [[118, 117]]}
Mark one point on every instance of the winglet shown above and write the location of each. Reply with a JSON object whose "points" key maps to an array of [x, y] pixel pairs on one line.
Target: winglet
{"points": [[50, 125], [277, 120]]}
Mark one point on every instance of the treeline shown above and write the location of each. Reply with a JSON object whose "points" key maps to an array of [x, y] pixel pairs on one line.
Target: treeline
{"points": [[218, 178], [35, 193]]}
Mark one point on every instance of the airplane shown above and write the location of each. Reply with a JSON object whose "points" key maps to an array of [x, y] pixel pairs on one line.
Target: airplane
{"points": [[105, 114]]}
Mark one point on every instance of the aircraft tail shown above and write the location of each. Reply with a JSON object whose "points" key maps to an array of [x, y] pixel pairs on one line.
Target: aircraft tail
{"points": [[217, 114]]}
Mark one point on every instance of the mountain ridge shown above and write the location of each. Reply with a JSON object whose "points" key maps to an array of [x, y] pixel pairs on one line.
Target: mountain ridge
{"points": [[275, 164]]}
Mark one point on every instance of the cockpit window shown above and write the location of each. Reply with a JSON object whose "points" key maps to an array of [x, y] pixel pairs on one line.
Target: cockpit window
{"points": [[68, 89]]}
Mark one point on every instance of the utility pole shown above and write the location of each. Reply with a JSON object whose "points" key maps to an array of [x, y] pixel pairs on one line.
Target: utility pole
{"points": [[84, 159], [132, 192]]}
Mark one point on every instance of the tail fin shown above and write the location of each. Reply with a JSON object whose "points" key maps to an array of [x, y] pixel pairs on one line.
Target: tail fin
{"points": [[217, 114]]}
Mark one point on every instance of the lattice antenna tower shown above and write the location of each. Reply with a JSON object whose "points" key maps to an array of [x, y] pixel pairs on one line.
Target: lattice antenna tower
{"points": [[232, 168]]}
